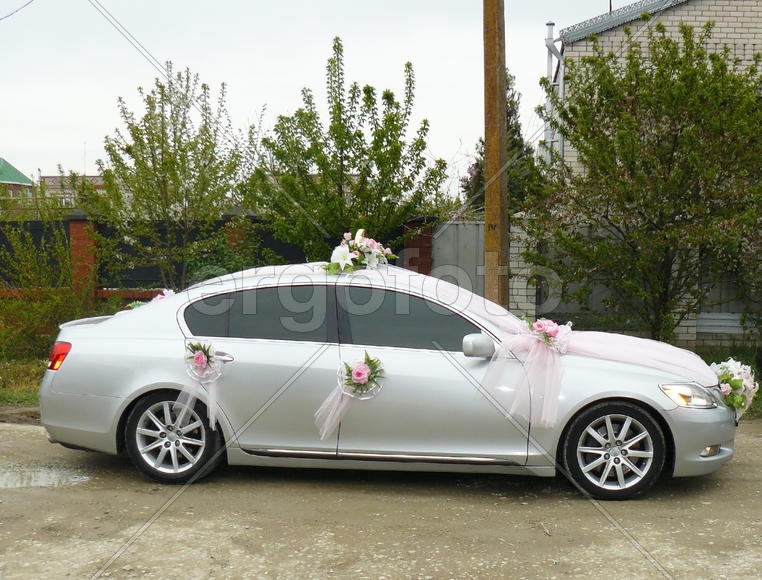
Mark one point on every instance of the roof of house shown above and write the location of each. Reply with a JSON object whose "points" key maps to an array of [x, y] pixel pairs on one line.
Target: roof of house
{"points": [[9, 174], [616, 18]]}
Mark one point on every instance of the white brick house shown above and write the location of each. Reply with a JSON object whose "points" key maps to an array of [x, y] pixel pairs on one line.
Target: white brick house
{"points": [[737, 25]]}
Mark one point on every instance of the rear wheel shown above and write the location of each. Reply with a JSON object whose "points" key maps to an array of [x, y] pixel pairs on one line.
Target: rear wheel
{"points": [[614, 450], [170, 441]]}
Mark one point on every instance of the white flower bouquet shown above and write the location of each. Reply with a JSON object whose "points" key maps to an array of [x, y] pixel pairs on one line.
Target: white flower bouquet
{"points": [[736, 383], [358, 253]]}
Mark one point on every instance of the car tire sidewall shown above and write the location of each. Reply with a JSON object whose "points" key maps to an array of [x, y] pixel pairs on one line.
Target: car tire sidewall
{"points": [[208, 461], [581, 422]]}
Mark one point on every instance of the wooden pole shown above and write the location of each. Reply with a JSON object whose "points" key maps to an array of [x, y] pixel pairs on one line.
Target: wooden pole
{"points": [[495, 155]]}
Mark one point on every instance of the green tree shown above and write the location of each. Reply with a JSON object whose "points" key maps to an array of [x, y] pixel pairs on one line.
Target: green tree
{"points": [[524, 176], [669, 144], [36, 277], [170, 174], [358, 169]]}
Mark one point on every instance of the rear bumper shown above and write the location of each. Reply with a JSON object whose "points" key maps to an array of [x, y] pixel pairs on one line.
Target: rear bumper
{"points": [[83, 421]]}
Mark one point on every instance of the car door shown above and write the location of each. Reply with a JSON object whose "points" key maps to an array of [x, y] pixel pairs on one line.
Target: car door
{"points": [[432, 405], [283, 342]]}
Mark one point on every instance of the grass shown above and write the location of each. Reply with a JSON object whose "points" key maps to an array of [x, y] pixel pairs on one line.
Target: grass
{"points": [[20, 382]]}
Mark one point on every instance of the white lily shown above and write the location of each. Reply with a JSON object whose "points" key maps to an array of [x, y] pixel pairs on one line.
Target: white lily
{"points": [[371, 260], [343, 256]]}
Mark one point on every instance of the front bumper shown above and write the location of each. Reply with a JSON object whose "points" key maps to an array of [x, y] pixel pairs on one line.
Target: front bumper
{"points": [[693, 430]]}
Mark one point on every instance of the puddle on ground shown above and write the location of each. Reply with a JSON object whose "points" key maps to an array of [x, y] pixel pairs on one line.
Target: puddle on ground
{"points": [[40, 476]]}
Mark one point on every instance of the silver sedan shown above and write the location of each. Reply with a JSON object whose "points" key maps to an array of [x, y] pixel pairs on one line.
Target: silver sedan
{"points": [[281, 337]]}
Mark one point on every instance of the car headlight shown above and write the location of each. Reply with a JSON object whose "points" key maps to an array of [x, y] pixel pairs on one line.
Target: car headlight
{"points": [[689, 395]]}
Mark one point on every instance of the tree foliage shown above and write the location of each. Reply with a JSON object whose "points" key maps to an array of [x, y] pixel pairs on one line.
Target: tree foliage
{"points": [[355, 169], [669, 143], [169, 174], [36, 277], [524, 176]]}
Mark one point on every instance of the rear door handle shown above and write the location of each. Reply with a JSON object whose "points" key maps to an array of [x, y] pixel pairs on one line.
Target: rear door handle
{"points": [[223, 357]]}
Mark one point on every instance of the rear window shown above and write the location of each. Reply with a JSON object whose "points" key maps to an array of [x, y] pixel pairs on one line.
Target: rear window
{"points": [[297, 313]]}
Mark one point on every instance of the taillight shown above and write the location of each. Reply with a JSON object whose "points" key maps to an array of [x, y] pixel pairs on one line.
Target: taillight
{"points": [[58, 354]]}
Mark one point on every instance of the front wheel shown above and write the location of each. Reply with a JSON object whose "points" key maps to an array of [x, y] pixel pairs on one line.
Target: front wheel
{"points": [[171, 442], [614, 450]]}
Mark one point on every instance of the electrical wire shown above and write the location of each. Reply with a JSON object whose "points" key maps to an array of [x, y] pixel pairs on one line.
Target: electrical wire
{"points": [[227, 134], [19, 9], [136, 44]]}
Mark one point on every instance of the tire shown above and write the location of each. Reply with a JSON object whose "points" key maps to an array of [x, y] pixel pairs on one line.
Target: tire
{"points": [[164, 453], [614, 450]]}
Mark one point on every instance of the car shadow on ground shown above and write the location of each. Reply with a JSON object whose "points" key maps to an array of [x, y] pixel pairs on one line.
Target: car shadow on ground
{"points": [[103, 468]]}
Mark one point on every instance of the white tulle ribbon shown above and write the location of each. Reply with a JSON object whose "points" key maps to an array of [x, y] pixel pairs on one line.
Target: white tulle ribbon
{"points": [[540, 354], [338, 402], [204, 375], [541, 357]]}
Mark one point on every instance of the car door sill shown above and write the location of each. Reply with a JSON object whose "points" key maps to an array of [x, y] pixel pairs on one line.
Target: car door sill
{"points": [[391, 457]]}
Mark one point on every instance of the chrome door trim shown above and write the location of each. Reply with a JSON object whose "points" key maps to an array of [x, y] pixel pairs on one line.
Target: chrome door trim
{"points": [[390, 457]]}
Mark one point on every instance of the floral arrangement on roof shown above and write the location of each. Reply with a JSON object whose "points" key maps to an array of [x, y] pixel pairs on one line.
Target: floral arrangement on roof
{"points": [[358, 253], [736, 383], [165, 293]]}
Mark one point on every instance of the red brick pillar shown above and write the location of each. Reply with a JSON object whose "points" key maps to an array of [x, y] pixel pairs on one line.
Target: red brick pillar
{"points": [[82, 253], [417, 254]]}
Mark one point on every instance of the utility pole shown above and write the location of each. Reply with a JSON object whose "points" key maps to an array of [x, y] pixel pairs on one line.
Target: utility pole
{"points": [[495, 155]]}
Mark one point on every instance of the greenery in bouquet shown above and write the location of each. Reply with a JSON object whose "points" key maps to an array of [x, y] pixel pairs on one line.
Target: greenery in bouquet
{"points": [[358, 253], [200, 354], [736, 383], [363, 376]]}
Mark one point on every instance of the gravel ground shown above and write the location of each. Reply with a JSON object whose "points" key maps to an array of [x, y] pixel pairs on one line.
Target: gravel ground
{"points": [[75, 514]]}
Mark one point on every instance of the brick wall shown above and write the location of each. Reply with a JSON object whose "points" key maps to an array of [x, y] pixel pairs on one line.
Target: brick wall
{"points": [[82, 252], [522, 288], [417, 253]]}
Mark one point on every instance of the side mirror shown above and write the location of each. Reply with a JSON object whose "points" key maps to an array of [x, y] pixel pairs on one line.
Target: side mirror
{"points": [[479, 345]]}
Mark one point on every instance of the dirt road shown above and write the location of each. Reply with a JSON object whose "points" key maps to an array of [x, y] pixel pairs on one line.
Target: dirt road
{"points": [[76, 514]]}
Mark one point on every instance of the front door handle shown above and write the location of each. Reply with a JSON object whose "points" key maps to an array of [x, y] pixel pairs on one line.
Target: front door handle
{"points": [[223, 357]]}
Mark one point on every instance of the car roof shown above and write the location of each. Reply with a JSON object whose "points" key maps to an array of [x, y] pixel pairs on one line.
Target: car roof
{"points": [[389, 277]]}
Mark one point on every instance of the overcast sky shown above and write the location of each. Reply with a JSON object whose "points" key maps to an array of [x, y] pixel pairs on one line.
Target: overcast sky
{"points": [[64, 65]]}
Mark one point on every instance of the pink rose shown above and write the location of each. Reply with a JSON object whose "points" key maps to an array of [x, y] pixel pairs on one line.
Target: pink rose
{"points": [[539, 325], [725, 388], [200, 360], [373, 244], [360, 373], [347, 236], [387, 251], [551, 328]]}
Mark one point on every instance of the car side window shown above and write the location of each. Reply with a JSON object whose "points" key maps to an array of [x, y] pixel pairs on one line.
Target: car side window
{"points": [[209, 316], [297, 313], [378, 317]]}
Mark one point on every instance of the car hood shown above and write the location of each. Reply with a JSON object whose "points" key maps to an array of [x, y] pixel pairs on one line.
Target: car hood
{"points": [[643, 352], [619, 348]]}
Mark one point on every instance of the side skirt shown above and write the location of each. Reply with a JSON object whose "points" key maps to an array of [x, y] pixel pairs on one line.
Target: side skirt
{"points": [[387, 457]]}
